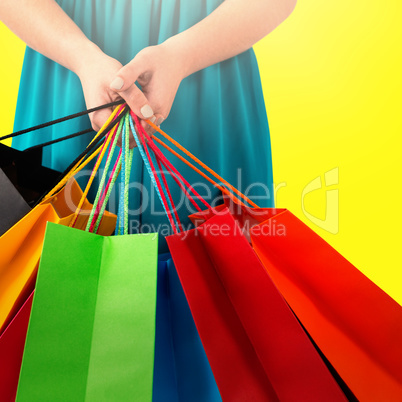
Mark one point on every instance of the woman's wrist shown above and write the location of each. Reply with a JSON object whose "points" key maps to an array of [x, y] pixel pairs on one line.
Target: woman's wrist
{"points": [[84, 56], [179, 52]]}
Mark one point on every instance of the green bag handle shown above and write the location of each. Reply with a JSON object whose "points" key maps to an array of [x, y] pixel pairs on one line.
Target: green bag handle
{"points": [[127, 157]]}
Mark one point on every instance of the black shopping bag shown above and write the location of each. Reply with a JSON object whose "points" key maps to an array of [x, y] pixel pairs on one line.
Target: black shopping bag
{"points": [[23, 181]]}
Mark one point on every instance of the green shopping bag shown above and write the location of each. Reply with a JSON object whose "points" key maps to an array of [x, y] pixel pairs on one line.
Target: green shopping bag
{"points": [[91, 334]]}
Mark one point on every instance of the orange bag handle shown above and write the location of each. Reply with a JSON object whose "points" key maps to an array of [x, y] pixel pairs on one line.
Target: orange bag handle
{"points": [[202, 164]]}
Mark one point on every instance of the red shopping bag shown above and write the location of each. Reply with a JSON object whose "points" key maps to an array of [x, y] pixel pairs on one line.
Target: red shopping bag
{"points": [[256, 347], [12, 343], [355, 324]]}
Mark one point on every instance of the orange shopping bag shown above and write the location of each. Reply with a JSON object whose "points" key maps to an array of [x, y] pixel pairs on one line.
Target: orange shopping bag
{"points": [[21, 245]]}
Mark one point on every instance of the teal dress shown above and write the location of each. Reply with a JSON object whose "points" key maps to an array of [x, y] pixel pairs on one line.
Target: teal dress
{"points": [[218, 113]]}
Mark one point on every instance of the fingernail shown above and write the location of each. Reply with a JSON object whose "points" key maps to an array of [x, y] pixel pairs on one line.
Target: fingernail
{"points": [[117, 83], [152, 119], [147, 111], [159, 121]]}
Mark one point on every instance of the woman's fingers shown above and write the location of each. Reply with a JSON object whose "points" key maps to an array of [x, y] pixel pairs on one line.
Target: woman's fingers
{"points": [[98, 118], [124, 85], [154, 100]]}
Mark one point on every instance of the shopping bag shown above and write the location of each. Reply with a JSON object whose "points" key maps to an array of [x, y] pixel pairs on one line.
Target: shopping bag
{"points": [[26, 173], [21, 248], [356, 325], [12, 206], [23, 180], [91, 334], [182, 371], [21, 245], [255, 345], [11, 349], [266, 354]]}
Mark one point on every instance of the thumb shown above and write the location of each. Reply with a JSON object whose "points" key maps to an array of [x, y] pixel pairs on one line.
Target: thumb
{"points": [[124, 85]]}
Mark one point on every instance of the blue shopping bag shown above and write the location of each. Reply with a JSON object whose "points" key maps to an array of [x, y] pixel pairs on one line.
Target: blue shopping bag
{"points": [[182, 371]]}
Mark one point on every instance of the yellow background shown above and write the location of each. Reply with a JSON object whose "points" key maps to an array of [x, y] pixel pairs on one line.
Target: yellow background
{"points": [[332, 83]]}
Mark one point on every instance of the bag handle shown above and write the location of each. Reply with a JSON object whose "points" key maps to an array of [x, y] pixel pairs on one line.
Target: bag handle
{"points": [[90, 152], [143, 139], [167, 191], [149, 153], [126, 161], [105, 197], [203, 165], [67, 137], [165, 188], [143, 149], [62, 119], [100, 195], [109, 136], [173, 171], [123, 164]]}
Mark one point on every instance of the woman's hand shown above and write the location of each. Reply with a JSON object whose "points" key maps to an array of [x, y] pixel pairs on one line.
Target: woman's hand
{"points": [[95, 75], [159, 73]]}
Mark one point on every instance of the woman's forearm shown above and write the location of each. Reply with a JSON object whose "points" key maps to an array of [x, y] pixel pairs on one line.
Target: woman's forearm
{"points": [[234, 27], [46, 28], [229, 30]]}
